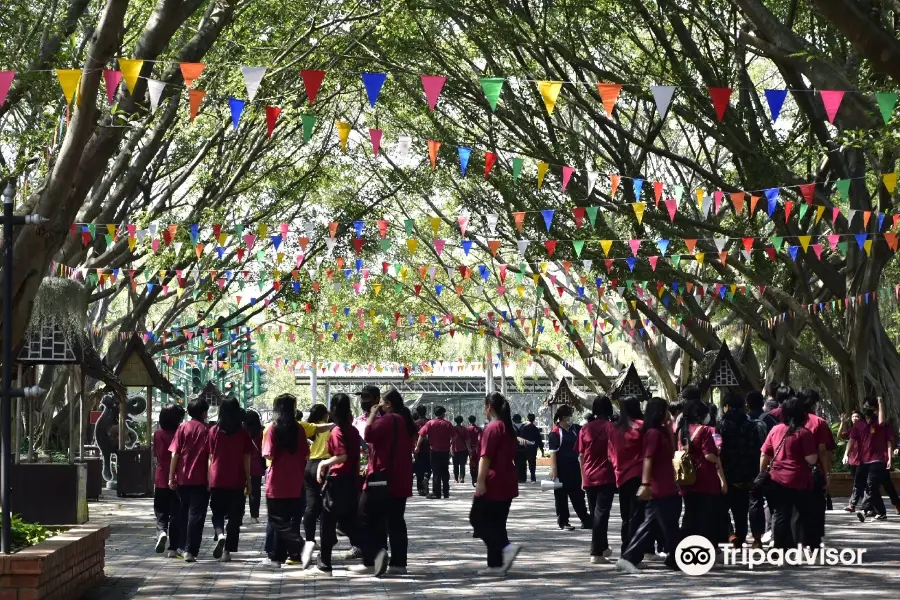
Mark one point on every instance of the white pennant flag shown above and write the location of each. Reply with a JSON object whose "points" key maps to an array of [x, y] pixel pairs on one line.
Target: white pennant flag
{"points": [[141, 234], [852, 214], [449, 274], [492, 223], [155, 89], [720, 243], [252, 78], [707, 201], [479, 290], [337, 286], [153, 228], [309, 228], [195, 273], [330, 243], [746, 254], [319, 260], [313, 272], [523, 245], [178, 246], [588, 264], [403, 144], [432, 271], [591, 180], [662, 95]]}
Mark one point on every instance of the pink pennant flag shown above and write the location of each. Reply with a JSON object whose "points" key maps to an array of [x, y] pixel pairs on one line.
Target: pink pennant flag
{"points": [[6, 79], [375, 134], [833, 240], [653, 260], [433, 85], [832, 101], [671, 206], [635, 244], [566, 176], [717, 200], [463, 224], [111, 79], [817, 248], [439, 246], [834, 214]]}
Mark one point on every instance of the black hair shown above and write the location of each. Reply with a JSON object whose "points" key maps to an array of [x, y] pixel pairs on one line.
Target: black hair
{"points": [[771, 389], [783, 393], [440, 411], [420, 410], [563, 411], [755, 400], [197, 408], [298, 415], [734, 402], [629, 411], [602, 408], [676, 407], [253, 423], [395, 400], [229, 419], [517, 418], [500, 406], [690, 392], [284, 426], [793, 413], [472, 419], [530, 417], [171, 417], [655, 414], [319, 412], [341, 413], [810, 398], [458, 419]]}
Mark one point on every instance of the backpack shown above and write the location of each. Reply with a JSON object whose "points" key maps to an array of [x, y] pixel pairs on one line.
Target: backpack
{"points": [[685, 471], [762, 429], [740, 450]]}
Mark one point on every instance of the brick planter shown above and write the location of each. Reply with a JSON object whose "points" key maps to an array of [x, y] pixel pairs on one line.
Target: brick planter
{"points": [[63, 567]]}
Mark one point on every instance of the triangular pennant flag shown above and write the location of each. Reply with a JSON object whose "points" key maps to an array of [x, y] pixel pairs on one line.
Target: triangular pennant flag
{"points": [[68, 81], [638, 185], [463, 222], [309, 122], [653, 260], [671, 207], [886, 103], [375, 135], [519, 218], [592, 215], [737, 200], [522, 246], [492, 86], [720, 97], [518, 163], [190, 72], [639, 211], [771, 200], [843, 187], [550, 245], [110, 78], [592, 177], [373, 83], [662, 96], [155, 89], [579, 246], [566, 176], [433, 85], [343, 133], [494, 246], [775, 100], [492, 222], [804, 242], [464, 154], [252, 78], [548, 217], [549, 92], [609, 93], [272, 113], [312, 81], [831, 99], [195, 97], [663, 245], [489, 159], [542, 171], [433, 147], [606, 245], [237, 107], [635, 246], [890, 182], [131, 70]]}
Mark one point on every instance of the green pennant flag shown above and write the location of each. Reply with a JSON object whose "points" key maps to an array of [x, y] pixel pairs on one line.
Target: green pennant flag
{"points": [[197, 292], [408, 223], [777, 241], [309, 121], [385, 244], [592, 214], [843, 247], [397, 267], [518, 163], [843, 186], [628, 284], [109, 240], [886, 103], [540, 290], [240, 287], [676, 260], [579, 246], [260, 255], [238, 231], [261, 283], [92, 229], [92, 277], [678, 192], [803, 209], [520, 276], [492, 87], [398, 288]]}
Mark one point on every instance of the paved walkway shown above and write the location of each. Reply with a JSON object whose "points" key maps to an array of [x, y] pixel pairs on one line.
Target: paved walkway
{"points": [[444, 558]]}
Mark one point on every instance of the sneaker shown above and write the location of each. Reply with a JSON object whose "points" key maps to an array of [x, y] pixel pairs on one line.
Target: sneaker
{"points": [[850, 508], [607, 553], [226, 557], [587, 525], [361, 571], [220, 547], [767, 537], [626, 567], [381, 563], [174, 554], [396, 571], [567, 527], [352, 554], [491, 572], [293, 561], [321, 568], [306, 557], [861, 516], [432, 497], [268, 563], [880, 517], [189, 558], [161, 542], [509, 556], [254, 520], [599, 560]]}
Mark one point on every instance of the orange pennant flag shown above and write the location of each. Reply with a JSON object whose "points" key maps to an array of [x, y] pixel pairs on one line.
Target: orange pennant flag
{"points": [[190, 72], [614, 181], [737, 199], [433, 146], [690, 245], [609, 93], [195, 97], [753, 201]]}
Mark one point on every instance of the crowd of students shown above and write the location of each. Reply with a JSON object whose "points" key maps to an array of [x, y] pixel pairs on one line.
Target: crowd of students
{"points": [[313, 478]]}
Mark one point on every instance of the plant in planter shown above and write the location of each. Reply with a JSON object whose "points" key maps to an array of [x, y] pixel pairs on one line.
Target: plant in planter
{"points": [[28, 534]]}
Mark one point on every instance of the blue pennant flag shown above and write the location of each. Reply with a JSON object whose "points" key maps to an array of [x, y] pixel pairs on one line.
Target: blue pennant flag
{"points": [[438, 289], [775, 98], [373, 82], [663, 245], [359, 264], [466, 246], [326, 325], [221, 252], [276, 241], [638, 184], [581, 291], [630, 262], [437, 334], [347, 273], [483, 270], [297, 287], [346, 311], [674, 287], [540, 329], [665, 301], [195, 232], [599, 282], [860, 239], [771, 200], [880, 220], [433, 319], [464, 154], [548, 213], [237, 107], [334, 336], [792, 250]]}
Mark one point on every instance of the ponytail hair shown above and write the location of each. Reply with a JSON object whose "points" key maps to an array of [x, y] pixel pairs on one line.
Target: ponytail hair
{"points": [[500, 406], [394, 398]]}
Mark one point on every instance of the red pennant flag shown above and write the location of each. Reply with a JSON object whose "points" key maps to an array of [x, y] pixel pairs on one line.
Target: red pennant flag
{"points": [[748, 243], [609, 264], [382, 228], [375, 134], [312, 81], [272, 113], [520, 220], [720, 98], [550, 245], [489, 159], [809, 191], [671, 206], [195, 97], [357, 245], [566, 176], [787, 210], [657, 191], [578, 213], [614, 182]]}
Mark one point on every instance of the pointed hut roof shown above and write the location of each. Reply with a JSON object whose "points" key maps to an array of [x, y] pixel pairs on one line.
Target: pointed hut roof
{"points": [[562, 393], [212, 394], [628, 383], [137, 368], [720, 370]]}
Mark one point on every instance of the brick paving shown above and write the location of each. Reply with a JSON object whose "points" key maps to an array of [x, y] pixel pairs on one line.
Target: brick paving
{"points": [[443, 558]]}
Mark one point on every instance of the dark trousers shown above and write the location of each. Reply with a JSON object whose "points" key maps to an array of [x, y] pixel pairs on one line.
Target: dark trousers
{"points": [[227, 505], [660, 518], [165, 505], [473, 467], [757, 513], [296, 519], [488, 519], [600, 500], [703, 515], [873, 474], [522, 466], [342, 491], [859, 488], [422, 469], [254, 496], [194, 500], [286, 540], [628, 507], [531, 455], [440, 473], [459, 465], [889, 488], [380, 520], [737, 502], [815, 528], [570, 491], [790, 514], [313, 490]]}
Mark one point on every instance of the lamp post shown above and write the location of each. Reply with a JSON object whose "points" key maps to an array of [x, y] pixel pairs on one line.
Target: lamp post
{"points": [[9, 219]]}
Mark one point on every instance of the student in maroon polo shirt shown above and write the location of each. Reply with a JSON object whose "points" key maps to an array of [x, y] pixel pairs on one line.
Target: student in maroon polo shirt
{"points": [[473, 442], [597, 475], [496, 487], [422, 459], [253, 425], [189, 475], [851, 460], [460, 450], [165, 500], [440, 434], [657, 488], [871, 435], [230, 448], [704, 503], [825, 445], [626, 444]]}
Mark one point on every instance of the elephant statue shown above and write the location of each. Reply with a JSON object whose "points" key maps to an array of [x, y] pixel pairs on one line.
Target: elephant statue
{"points": [[106, 430]]}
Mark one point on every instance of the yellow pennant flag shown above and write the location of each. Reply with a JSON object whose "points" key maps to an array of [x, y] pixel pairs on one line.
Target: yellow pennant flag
{"points": [[435, 225], [263, 230], [890, 181], [549, 92], [543, 268], [377, 288], [412, 244], [279, 257], [179, 291], [606, 245], [111, 229], [132, 242], [804, 241], [343, 133], [542, 170], [520, 289], [700, 199], [639, 211], [222, 238], [867, 246], [819, 212], [68, 81], [699, 256], [131, 70], [535, 278]]}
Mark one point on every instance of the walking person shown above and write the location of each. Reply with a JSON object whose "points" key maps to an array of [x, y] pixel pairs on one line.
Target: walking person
{"points": [[253, 425], [230, 448], [532, 433], [460, 450], [339, 474], [165, 500], [597, 475], [565, 468], [318, 452], [704, 507], [521, 451], [388, 485], [851, 459], [872, 437], [440, 435], [741, 443], [474, 444], [657, 489], [189, 475], [286, 448], [825, 445], [496, 487], [626, 454], [422, 460]]}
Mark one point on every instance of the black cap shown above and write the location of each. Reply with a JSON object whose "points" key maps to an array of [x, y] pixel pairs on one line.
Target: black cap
{"points": [[372, 391]]}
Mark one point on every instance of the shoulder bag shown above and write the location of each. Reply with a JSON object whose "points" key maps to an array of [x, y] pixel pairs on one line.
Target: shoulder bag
{"points": [[764, 480]]}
